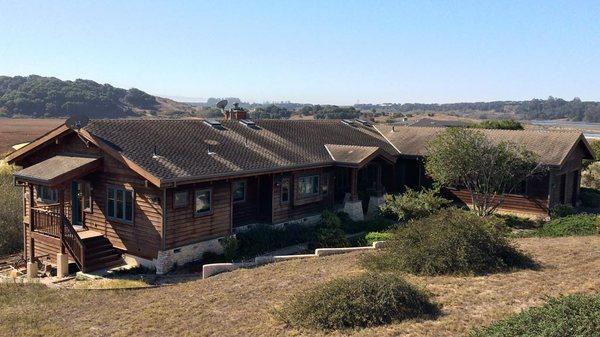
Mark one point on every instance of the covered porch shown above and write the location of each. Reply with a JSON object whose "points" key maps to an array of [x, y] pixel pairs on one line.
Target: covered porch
{"points": [[55, 199], [363, 175]]}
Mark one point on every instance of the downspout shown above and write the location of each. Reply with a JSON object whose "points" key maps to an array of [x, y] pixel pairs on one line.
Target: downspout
{"points": [[164, 219]]}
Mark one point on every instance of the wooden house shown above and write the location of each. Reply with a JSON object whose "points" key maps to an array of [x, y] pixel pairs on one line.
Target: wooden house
{"points": [[162, 192]]}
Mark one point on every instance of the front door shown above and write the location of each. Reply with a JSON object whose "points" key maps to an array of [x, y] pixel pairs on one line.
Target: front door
{"points": [[76, 211]]}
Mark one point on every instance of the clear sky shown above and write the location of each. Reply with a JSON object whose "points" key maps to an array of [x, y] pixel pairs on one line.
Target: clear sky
{"points": [[337, 52]]}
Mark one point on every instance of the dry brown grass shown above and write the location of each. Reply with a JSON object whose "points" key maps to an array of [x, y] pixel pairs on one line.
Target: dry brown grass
{"points": [[240, 303], [16, 131]]}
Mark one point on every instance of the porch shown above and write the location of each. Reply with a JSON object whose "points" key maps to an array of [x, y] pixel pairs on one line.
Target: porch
{"points": [[54, 226]]}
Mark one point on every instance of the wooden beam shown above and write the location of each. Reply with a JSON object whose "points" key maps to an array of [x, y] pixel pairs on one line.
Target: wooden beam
{"points": [[61, 200], [31, 223], [354, 184]]}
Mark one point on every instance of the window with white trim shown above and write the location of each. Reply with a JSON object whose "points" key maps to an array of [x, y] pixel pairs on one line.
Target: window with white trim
{"points": [[120, 204], [238, 191], [203, 201], [47, 194], [285, 190], [180, 199], [308, 186]]}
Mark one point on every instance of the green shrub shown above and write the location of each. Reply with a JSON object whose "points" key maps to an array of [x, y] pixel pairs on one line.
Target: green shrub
{"points": [[502, 124], [264, 238], [412, 204], [590, 197], [358, 301], [374, 225], [575, 315], [572, 225], [11, 212], [230, 247], [590, 177], [451, 241], [562, 210], [377, 236], [329, 233]]}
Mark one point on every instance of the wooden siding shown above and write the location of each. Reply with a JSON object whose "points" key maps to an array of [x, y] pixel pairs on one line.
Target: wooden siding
{"points": [[247, 211], [296, 209], [513, 202], [572, 170], [183, 227], [143, 236]]}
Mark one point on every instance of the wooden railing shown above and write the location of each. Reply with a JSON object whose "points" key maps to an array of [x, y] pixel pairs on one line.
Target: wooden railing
{"points": [[45, 222], [73, 243], [50, 223]]}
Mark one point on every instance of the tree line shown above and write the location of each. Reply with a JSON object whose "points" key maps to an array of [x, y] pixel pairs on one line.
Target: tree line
{"points": [[37, 96]]}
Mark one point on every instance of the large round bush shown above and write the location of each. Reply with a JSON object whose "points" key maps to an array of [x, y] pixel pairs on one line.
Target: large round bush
{"points": [[451, 241], [358, 301], [576, 315]]}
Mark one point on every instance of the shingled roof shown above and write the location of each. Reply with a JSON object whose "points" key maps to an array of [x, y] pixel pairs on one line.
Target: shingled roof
{"points": [[192, 149], [552, 147]]}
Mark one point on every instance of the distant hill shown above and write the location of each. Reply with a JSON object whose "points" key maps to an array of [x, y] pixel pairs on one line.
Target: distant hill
{"points": [[37, 96], [551, 108]]}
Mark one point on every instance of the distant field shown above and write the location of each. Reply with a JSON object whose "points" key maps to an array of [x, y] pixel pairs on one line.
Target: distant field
{"points": [[16, 131]]}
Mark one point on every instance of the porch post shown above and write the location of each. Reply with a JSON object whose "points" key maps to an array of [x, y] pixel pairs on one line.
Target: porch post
{"points": [[32, 269], [61, 200], [354, 184], [378, 181], [31, 223]]}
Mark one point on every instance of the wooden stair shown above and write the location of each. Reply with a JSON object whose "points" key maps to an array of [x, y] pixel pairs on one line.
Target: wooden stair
{"points": [[100, 254]]}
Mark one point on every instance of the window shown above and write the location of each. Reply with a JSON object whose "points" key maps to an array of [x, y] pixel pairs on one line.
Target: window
{"points": [[325, 184], [203, 202], [47, 194], [180, 199], [285, 190], [120, 204], [309, 185], [238, 190], [86, 196]]}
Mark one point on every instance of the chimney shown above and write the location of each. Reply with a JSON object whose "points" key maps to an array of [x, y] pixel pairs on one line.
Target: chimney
{"points": [[236, 113]]}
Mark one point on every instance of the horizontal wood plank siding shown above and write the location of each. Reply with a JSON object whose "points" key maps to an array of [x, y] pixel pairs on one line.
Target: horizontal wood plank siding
{"points": [[183, 227], [292, 210]]}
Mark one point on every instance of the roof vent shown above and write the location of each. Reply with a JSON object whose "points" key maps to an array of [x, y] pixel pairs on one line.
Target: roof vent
{"points": [[364, 122], [214, 123], [349, 122], [249, 123]]}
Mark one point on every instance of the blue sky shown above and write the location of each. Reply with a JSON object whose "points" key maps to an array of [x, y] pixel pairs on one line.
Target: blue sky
{"points": [[337, 52]]}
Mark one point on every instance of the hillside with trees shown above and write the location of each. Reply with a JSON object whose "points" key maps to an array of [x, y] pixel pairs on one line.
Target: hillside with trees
{"points": [[551, 108], [37, 96]]}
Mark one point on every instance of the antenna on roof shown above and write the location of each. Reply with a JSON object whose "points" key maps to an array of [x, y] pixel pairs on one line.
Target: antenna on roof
{"points": [[221, 105], [76, 123]]}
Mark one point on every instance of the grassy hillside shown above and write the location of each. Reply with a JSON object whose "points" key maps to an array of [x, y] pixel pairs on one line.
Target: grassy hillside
{"points": [[242, 303], [37, 96]]}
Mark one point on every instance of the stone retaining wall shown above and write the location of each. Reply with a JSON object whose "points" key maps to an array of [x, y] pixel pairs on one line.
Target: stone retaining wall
{"points": [[212, 269]]}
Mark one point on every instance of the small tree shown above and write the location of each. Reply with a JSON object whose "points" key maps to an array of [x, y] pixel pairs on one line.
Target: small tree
{"points": [[466, 158]]}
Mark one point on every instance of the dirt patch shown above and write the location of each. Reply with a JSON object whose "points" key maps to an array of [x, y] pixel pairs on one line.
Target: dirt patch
{"points": [[240, 303]]}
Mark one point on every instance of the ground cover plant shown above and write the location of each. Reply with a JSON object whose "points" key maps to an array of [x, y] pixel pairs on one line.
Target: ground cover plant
{"points": [[571, 225], [452, 241], [358, 301], [575, 315]]}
